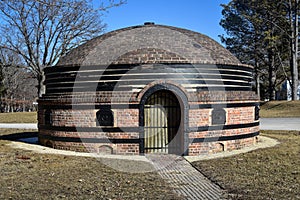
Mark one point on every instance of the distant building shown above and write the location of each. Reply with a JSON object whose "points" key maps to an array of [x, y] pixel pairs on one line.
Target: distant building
{"points": [[285, 91]]}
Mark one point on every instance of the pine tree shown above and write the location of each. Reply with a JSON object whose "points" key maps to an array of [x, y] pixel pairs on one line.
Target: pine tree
{"points": [[259, 33]]}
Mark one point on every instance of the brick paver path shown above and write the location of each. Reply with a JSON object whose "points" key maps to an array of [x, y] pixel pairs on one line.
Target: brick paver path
{"points": [[184, 178]]}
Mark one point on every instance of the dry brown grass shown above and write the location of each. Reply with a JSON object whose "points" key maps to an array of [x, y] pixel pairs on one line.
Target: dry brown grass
{"points": [[280, 109], [272, 173], [28, 175], [18, 117]]}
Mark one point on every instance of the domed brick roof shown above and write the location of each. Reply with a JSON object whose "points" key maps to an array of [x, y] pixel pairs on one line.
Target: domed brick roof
{"points": [[148, 44], [129, 59]]}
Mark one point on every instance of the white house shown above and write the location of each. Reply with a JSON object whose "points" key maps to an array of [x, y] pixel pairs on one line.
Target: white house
{"points": [[285, 91]]}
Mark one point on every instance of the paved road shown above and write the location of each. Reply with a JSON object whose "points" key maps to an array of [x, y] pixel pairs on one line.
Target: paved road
{"points": [[280, 124], [20, 126]]}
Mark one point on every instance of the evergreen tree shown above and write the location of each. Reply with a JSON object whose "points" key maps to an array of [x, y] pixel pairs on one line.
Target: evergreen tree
{"points": [[258, 34]]}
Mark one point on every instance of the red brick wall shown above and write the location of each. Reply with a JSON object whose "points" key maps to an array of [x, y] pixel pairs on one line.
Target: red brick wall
{"points": [[214, 147], [130, 118], [237, 115], [126, 117], [87, 118], [240, 115], [72, 118], [199, 117]]}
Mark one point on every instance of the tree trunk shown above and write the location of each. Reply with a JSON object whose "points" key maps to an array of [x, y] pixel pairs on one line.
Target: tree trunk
{"points": [[257, 76], [272, 77], [11, 104], [294, 49], [41, 86], [24, 106], [258, 86]]}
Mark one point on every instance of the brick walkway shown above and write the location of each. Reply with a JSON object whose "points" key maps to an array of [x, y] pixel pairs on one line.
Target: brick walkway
{"points": [[184, 178]]}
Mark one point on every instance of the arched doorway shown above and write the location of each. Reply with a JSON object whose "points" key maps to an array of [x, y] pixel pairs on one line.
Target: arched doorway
{"points": [[163, 132]]}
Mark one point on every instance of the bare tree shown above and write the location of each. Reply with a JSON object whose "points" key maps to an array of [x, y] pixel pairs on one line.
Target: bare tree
{"points": [[41, 31], [293, 8], [19, 86]]}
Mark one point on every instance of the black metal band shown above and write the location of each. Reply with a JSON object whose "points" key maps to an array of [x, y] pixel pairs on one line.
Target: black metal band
{"points": [[223, 127], [223, 138], [126, 67], [136, 106], [90, 140], [223, 105], [139, 129], [137, 141], [109, 78], [88, 107], [90, 129]]}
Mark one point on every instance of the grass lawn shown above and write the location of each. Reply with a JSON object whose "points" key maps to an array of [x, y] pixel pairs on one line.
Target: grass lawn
{"points": [[272, 173], [28, 175], [280, 109], [18, 117]]}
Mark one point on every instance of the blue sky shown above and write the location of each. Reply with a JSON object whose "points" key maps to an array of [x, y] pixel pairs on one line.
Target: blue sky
{"points": [[198, 15]]}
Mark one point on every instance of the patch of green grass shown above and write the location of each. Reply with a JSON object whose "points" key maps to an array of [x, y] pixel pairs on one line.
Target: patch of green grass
{"points": [[18, 117], [272, 173], [28, 175], [280, 109]]}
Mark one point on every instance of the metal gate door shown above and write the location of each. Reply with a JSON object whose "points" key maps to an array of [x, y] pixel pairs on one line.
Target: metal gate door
{"points": [[162, 118]]}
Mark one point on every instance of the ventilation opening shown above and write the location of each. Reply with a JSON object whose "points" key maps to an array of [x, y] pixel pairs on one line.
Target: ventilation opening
{"points": [[219, 147], [105, 117], [149, 23], [105, 149], [256, 140], [218, 116], [49, 144]]}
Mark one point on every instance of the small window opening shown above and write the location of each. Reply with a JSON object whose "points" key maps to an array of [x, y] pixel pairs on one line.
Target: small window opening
{"points": [[218, 116], [105, 117], [48, 117], [257, 109]]}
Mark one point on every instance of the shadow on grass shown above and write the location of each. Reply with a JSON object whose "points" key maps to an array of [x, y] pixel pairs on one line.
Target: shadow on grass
{"points": [[19, 136]]}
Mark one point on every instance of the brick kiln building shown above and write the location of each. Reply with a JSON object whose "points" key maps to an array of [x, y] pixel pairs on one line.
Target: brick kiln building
{"points": [[149, 88]]}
